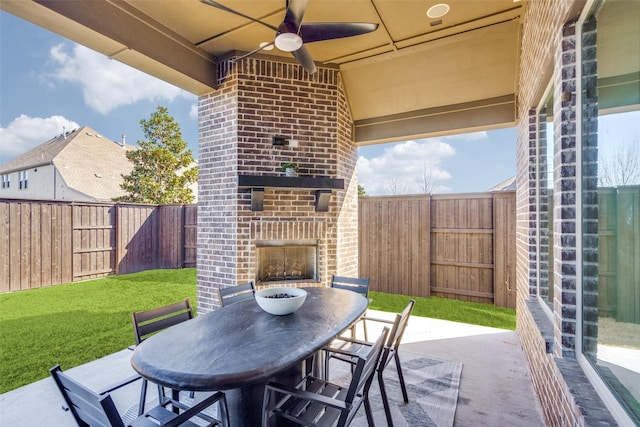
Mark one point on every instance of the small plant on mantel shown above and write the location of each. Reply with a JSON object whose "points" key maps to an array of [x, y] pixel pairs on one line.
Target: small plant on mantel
{"points": [[290, 169]]}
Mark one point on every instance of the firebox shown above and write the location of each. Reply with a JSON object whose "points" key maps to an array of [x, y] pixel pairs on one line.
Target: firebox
{"points": [[287, 260]]}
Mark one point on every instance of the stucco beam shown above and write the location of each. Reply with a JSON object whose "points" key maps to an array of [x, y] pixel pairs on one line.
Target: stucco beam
{"points": [[124, 33], [492, 113]]}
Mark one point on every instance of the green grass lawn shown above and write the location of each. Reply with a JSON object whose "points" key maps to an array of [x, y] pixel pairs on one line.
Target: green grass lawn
{"points": [[76, 323], [79, 322], [447, 309]]}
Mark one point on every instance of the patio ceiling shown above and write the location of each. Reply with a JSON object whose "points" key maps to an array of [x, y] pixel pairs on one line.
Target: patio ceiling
{"points": [[412, 77]]}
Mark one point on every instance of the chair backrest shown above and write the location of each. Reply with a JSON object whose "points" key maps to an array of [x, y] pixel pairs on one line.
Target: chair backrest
{"points": [[147, 323], [234, 294], [365, 368], [355, 284], [399, 326], [395, 335], [88, 408]]}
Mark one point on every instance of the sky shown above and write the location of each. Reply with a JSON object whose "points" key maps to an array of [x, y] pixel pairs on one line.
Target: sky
{"points": [[49, 84]]}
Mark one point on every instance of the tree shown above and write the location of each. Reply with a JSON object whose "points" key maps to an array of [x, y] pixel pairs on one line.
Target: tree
{"points": [[163, 167], [622, 166], [425, 181], [361, 191], [396, 186]]}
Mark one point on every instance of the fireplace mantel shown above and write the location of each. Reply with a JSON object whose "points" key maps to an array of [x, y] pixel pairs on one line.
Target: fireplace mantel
{"points": [[322, 184]]}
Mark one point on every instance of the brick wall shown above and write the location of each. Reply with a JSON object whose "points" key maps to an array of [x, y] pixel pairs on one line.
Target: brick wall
{"points": [[548, 52], [347, 221], [564, 193], [257, 100], [590, 230], [217, 193]]}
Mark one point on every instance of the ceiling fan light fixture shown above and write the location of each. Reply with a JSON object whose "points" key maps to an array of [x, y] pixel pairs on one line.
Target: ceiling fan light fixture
{"points": [[288, 42], [438, 10]]}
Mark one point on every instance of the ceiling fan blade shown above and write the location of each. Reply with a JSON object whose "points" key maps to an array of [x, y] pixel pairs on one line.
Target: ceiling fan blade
{"points": [[318, 31], [235, 12], [305, 59], [256, 50], [293, 17], [295, 11]]}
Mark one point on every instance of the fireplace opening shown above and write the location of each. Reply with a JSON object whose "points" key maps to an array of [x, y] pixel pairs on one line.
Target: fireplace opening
{"points": [[287, 260]]}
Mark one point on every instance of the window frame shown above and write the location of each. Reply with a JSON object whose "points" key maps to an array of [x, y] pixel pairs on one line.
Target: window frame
{"points": [[547, 306], [23, 178]]}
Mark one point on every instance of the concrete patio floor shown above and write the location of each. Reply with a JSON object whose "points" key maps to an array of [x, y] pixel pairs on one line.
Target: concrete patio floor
{"points": [[495, 388]]}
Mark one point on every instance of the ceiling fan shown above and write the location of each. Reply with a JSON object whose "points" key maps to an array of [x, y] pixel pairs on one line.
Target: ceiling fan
{"points": [[292, 34]]}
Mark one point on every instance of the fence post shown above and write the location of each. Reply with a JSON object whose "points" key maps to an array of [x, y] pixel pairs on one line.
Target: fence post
{"points": [[182, 237], [118, 232], [504, 247]]}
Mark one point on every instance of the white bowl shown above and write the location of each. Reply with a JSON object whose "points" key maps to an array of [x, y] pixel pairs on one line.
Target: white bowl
{"points": [[280, 306]]}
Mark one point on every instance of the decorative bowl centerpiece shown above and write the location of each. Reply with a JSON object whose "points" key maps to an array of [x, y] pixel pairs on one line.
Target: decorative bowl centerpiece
{"points": [[280, 301]]}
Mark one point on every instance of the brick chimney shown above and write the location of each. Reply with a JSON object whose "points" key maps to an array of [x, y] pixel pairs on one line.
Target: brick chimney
{"points": [[257, 100]]}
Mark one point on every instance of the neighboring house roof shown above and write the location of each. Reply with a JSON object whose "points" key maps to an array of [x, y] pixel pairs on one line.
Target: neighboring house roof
{"points": [[88, 162], [506, 185]]}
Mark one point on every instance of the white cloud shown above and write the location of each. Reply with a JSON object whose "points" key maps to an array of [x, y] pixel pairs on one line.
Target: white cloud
{"points": [[402, 167], [472, 136], [193, 112], [107, 84], [25, 132]]}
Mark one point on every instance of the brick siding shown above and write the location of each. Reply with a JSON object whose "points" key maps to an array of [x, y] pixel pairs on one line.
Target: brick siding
{"points": [[549, 53]]}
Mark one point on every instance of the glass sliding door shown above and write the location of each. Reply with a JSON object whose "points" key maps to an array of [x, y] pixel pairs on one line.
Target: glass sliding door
{"points": [[610, 197]]}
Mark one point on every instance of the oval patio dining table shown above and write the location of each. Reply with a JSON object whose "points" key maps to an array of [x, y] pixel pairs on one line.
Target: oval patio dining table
{"points": [[240, 348]]}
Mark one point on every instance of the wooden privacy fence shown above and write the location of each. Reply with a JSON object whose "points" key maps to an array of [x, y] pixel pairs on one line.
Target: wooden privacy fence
{"points": [[619, 252], [458, 246], [52, 242]]}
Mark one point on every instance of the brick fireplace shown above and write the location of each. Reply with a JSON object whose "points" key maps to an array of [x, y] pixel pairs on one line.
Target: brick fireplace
{"points": [[251, 218]]}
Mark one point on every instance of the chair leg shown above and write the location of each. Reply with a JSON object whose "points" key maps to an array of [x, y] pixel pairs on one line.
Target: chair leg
{"points": [[143, 397], [385, 399], [401, 377], [175, 396], [266, 401], [224, 411], [368, 411], [325, 374]]}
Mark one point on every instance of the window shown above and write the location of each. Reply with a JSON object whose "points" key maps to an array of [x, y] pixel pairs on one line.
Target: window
{"points": [[545, 156], [23, 178], [6, 181], [609, 333]]}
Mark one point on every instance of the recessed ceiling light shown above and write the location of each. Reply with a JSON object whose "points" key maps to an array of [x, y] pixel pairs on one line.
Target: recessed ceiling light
{"points": [[266, 46], [438, 10]]}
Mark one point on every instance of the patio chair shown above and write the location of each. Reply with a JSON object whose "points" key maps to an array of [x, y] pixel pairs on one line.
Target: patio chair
{"points": [[314, 401], [149, 322], [349, 351], [234, 294], [92, 409], [355, 284]]}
